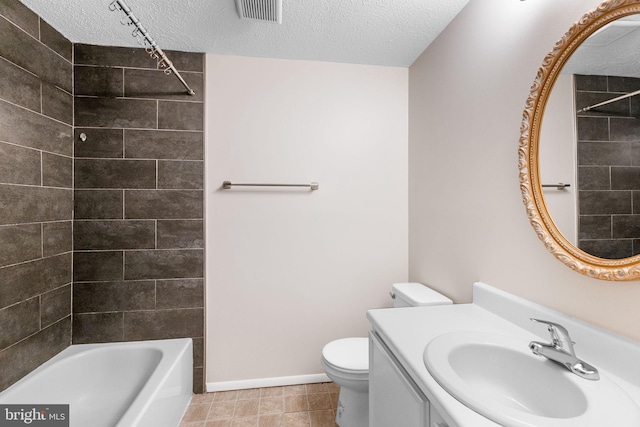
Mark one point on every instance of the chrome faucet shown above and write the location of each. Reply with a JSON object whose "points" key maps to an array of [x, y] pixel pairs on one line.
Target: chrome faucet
{"points": [[560, 350]]}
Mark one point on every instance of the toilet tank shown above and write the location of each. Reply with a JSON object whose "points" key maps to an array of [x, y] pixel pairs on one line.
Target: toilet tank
{"points": [[415, 295]]}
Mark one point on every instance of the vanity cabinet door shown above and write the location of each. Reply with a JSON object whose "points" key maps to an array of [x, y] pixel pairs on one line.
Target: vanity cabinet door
{"points": [[394, 400]]}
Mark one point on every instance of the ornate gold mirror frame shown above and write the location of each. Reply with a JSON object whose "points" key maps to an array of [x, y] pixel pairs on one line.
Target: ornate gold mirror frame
{"points": [[528, 162]]}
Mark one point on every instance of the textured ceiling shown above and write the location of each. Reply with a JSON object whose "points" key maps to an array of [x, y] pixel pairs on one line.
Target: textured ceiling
{"points": [[612, 51], [377, 32]]}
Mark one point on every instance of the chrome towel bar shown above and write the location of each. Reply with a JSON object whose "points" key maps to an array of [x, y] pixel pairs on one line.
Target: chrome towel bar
{"points": [[226, 185], [558, 186]]}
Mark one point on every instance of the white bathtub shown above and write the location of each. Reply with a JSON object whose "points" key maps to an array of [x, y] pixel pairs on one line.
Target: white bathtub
{"points": [[133, 384]]}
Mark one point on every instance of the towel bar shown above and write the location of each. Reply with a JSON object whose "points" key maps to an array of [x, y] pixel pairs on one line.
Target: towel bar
{"points": [[226, 185]]}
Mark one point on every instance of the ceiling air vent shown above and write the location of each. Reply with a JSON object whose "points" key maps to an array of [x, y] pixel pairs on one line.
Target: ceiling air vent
{"points": [[261, 10]]}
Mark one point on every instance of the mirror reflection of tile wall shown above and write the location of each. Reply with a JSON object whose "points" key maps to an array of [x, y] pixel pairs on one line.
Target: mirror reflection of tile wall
{"points": [[608, 167]]}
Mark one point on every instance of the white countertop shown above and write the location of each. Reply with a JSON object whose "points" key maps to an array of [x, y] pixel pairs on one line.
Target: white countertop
{"points": [[407, 331]]}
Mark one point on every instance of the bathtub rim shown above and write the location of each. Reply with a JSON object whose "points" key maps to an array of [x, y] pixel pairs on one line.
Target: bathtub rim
{"points": [[173, 354]]}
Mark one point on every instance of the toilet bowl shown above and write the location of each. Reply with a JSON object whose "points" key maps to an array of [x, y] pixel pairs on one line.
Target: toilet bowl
{"points": [[346, 360], [346, 363]]}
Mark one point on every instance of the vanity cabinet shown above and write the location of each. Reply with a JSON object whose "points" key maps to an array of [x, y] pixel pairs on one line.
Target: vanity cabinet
{"points": [[394, 398]]}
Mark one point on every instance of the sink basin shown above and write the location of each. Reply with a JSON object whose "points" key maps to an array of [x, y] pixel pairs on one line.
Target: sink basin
{"points": [[497, 376]]}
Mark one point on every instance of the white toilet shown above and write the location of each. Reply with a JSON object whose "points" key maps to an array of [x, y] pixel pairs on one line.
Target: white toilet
{"points": [[346, 361]]}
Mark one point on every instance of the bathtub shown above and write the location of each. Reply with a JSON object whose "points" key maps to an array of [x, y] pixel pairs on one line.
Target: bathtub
{"points": [[132, 384]]}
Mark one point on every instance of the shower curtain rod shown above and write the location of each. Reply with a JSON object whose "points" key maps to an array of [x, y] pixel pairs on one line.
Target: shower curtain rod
{"points": [[149, 44], [600, 104]]}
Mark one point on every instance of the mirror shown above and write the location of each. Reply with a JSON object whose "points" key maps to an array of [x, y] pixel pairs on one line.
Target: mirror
{"points": [[588, 225], [590, 138]]}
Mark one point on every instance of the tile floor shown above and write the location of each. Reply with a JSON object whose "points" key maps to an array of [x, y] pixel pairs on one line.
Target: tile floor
{"points": [[307, 405]]}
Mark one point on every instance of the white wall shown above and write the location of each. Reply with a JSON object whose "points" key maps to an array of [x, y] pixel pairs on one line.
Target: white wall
{"points": [[290, 270], [467, 220]]}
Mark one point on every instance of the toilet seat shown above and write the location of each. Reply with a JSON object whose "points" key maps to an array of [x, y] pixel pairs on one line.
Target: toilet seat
{"points": [[348, 355]]}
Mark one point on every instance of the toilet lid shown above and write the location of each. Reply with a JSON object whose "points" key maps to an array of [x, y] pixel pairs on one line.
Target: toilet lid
{"points": [[348, 353]]}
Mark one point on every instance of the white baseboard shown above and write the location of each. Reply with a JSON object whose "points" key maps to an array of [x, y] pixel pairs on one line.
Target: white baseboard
{"points": [[267, 382]]}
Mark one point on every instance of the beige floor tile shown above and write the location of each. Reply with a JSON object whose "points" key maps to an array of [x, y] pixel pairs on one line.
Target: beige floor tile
{"points": [[201, 399], [196, 413], [220, 396], [247, 408], [271, 405], [296, 403], [334, 399], [324, 418], [317, 388], [296, 419], [333, 388], [245, 422], [272, 420], [272, 392], [306, 405], [251, 393], [294, 390], [319, 401], [221, 410]]}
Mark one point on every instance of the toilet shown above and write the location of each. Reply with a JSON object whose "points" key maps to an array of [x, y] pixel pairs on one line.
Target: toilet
{"points": [[346, 361]]}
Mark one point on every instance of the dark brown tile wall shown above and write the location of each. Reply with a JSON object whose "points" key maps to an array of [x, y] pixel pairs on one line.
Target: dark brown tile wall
{"points": [[608, 167], [138, 179], [36, 194], [138, 228]]}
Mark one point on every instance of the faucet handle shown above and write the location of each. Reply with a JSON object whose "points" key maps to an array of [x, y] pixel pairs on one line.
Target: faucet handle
{"points": [[559, 335], [551, 325]]}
